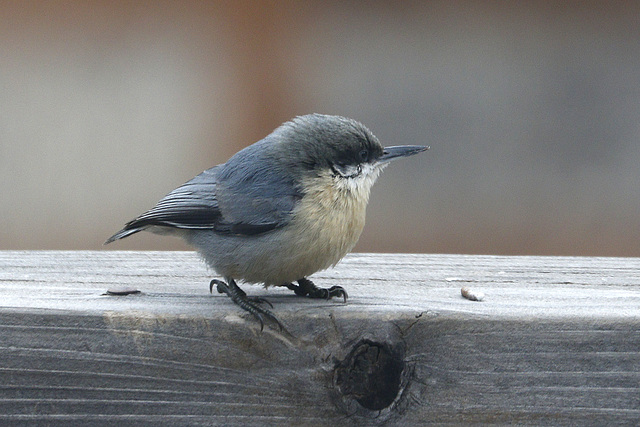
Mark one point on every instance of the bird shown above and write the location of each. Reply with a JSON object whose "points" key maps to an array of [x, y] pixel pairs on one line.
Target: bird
{"points": [[278, 210]]}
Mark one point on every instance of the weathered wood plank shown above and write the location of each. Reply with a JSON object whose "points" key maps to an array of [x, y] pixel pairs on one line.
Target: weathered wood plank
{"points": [[556, 341]]}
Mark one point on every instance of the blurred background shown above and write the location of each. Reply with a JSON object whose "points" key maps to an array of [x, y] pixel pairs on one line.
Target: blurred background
{"points": [[531, 109]]}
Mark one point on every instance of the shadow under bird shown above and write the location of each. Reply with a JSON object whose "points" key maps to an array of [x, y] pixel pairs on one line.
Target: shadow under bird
{"points": [[279, 210]]}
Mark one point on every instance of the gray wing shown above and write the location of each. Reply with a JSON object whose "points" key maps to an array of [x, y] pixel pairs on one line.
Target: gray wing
{"points": [[256, 189], [248, 195]]}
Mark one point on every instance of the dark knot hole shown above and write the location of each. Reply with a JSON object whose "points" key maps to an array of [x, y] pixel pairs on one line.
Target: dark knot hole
{"points": [[371, 374]]}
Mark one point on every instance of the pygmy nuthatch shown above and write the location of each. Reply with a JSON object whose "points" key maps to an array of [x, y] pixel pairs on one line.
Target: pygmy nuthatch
{"points": [[279, 210]]}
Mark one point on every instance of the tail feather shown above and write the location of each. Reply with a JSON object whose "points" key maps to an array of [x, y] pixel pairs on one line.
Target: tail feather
{"points": [[123, 233]]}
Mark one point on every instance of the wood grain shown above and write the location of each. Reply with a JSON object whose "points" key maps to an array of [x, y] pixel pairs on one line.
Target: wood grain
{"points": [[555, 341]]}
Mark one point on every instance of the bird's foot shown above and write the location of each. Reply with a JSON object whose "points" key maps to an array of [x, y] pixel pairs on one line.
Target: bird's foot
{"points": [[306, 287], [245, 302]]}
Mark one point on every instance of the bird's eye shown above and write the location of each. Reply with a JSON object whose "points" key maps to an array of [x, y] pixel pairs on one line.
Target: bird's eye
{"points": [[364, 155]]}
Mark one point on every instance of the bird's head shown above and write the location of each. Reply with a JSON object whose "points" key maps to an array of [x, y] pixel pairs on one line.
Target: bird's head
{"points": [[321, 145]]}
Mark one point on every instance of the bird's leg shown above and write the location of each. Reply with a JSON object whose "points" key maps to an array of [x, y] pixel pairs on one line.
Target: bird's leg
{"points": [[220, 285], [246, 303], [306, 287]]}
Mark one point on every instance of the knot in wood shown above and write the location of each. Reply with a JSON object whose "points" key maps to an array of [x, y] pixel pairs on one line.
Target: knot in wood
{"points": [[371, 374]]}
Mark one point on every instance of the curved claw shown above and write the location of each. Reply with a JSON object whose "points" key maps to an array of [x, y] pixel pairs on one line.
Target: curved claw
{"points": [[260, 319], [307, 288], [217, 283], [338, 291], [260, 313]]}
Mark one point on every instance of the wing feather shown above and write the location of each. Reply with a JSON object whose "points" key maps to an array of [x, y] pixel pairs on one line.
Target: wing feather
{"points": [[250, 194]]}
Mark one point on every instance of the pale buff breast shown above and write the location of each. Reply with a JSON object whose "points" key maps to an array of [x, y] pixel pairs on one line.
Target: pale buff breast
{"points": [[325, 226]]}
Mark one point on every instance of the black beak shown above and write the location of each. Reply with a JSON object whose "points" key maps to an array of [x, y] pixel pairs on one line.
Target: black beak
{"points": [[391, 153]]}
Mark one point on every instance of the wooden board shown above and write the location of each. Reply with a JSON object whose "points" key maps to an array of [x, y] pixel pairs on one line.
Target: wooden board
{"points": [[555, 341]]}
